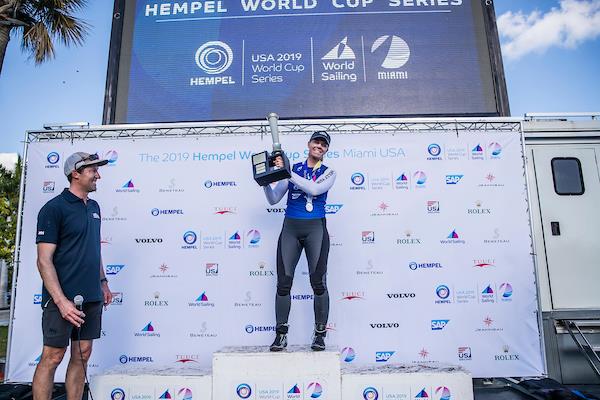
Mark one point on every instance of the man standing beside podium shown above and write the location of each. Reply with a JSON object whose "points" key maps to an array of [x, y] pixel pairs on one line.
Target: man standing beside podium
{"points": [[74, 285]]}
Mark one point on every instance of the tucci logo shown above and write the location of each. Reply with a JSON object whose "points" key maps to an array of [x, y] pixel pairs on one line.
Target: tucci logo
{"points": [[243, 391], [443, 392], [370, 393], [117, 394], [113, 269], [383, 356], [453, 179], [439, 324], [53, 158], [333, 208], [156, 212], [348, 354], [353, 296]]}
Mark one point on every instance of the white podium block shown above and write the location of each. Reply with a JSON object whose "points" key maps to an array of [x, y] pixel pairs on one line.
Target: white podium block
{"points": [[255, 373], [407, 382], [146, 383]]}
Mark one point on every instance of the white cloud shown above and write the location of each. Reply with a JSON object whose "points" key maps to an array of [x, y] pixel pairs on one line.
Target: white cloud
{"points": [[8, 160], [567, 26]]}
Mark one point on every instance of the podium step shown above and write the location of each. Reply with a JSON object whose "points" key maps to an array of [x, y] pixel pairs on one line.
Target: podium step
{"points": [[148, 383], [255, 373], [406, 382]]}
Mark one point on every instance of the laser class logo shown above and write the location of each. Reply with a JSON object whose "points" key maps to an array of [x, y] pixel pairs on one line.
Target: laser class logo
{"points": [[190, 238], [184, 394], [253, 237], [358, 181], [48, 187], [315, 389], [112, 156], [117, 394], [398, 51], [435, 151], [370, 393], [214, 57], [506, 291], [420, 178], [53, 158], [477, 152], [348, 354], [443, 393], [495, 150]]}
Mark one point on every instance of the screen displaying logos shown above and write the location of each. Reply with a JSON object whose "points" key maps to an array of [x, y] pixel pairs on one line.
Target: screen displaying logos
{"points": [[351, 58]]}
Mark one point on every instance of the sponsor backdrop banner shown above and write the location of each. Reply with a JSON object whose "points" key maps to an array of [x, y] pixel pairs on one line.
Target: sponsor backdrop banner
{"points": [[430, 251], [305, 58]]}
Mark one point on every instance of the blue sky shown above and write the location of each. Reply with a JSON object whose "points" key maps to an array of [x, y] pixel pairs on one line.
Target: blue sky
{"points": [[551, 52]]}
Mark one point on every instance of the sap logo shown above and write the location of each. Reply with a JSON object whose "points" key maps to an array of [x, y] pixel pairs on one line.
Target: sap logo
{"points": [[385, 325], [37, 299], [401, 295], [148, 240], [333, 208], [453, 179], [439, 324], [113, 269], [383, 356]]}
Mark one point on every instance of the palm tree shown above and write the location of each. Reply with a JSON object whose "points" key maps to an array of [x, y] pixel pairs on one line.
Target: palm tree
{"points": [[41, 23]]}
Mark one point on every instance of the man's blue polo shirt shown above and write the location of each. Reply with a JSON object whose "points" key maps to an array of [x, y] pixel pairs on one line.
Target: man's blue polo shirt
{"points": [[74, 227]]}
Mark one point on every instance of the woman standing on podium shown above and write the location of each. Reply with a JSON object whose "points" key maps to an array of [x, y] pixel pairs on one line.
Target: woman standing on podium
{"points": [[304, 227]]}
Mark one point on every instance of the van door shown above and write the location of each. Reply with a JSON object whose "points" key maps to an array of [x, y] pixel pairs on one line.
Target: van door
{"points": [[569, 196]]}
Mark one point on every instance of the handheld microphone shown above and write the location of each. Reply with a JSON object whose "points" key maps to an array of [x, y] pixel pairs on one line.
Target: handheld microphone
{"points": [[78, 300]]}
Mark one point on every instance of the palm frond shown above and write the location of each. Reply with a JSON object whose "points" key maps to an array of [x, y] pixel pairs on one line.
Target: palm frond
{"points": [[37, 41]]}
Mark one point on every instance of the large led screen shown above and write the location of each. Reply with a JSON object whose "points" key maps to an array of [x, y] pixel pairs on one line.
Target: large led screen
{"points": [[241, 59]]}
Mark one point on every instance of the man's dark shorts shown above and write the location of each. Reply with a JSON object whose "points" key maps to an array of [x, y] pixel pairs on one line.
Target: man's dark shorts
{"points": [[57, 330]]}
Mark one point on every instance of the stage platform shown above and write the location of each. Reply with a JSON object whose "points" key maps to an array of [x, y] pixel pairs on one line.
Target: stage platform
{"points": [[255, 373]]}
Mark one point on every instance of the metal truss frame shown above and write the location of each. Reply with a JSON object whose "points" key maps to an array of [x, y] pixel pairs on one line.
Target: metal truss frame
{"points": [[354, 126]]}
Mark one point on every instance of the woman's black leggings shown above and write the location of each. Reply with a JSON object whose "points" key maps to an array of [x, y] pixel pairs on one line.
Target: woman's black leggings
{"points": [[312, 236]]}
